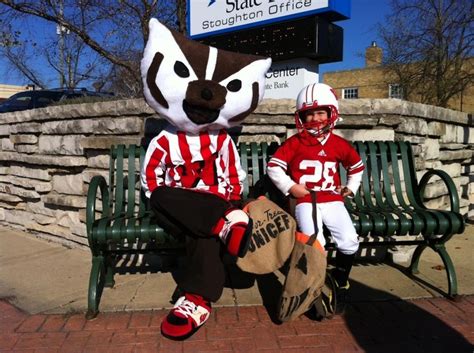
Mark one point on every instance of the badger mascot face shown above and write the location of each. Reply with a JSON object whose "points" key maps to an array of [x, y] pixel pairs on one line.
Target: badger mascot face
{"points": [[197, 87]]}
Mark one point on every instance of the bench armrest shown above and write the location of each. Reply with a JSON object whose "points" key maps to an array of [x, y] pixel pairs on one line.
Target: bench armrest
{"points": [[97, 182], [452, 191]]}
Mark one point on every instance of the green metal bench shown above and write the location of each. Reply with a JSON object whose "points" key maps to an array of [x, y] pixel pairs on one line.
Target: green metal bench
{"points": [[388, 207]]}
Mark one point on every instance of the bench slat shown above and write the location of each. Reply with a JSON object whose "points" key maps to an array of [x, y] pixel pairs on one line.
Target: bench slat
{"points": [[255, 171], [265, 156], [111, 178], [132, 179], [404, 223], [143, 201], [119, 187], [245, 165]]}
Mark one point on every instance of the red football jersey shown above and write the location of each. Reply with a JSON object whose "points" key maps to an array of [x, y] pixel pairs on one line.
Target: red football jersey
{"points": [[316, 166]]}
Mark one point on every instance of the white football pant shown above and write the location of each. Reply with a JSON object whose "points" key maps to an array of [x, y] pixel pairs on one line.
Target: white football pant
{"points": [[335, 217]]}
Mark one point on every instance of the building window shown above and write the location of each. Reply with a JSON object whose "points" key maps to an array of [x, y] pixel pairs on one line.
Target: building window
{"points": [[350, 93], [395, 91]]}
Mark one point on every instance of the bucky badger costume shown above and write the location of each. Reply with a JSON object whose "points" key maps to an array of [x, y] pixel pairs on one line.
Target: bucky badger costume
{"points": [[192, 169]]}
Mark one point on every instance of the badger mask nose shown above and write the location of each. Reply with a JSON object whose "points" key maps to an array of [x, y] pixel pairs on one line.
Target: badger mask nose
{"points": [[203, 101], [205, 94]]}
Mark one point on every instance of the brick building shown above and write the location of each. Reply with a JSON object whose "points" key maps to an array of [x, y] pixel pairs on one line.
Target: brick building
{"points": [[375, 81]]}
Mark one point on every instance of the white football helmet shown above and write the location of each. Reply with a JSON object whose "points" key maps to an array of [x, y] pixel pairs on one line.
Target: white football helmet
{"points": [[316, 96]]}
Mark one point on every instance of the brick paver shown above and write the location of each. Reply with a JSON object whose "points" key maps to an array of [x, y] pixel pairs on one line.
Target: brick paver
{"points": [[423, 325]]}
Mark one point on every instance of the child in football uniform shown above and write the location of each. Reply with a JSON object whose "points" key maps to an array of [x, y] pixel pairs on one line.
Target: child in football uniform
{"points": [[310, 160]]}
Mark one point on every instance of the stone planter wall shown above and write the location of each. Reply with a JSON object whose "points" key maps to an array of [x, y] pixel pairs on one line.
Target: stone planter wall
{"points": [[48, 156]]}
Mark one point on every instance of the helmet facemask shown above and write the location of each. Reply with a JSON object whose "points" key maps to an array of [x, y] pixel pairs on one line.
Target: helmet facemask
{"points": [[316, 128]]}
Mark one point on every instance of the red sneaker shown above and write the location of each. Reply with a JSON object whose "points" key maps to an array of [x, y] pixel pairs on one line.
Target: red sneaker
{"points": [[235, 230], [189, 313]]}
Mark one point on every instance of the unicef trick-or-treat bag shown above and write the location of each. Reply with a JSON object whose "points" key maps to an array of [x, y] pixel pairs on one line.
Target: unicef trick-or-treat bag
{"points": [[273, 237], [306, 277]]}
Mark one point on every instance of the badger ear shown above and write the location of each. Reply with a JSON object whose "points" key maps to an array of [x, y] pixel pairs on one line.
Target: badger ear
{"points": [[265, 65], [153, 24]]}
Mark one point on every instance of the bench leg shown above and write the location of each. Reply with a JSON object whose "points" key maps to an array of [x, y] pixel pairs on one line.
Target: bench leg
{"points": [[109, 274], [96, 286], [416, 259], [448, 264], [450, 271]]}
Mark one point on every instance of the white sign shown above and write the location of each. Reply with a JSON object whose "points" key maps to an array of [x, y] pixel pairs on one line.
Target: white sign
{"points": [[286, 79], [212, 16]]}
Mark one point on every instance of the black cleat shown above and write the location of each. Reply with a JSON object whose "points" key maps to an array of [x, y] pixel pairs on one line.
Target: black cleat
{"points": [[342, 295]]}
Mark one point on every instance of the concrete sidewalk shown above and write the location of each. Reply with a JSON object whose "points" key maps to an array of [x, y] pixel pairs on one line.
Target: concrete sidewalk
{"points": [[43, 277], [43, 297]]}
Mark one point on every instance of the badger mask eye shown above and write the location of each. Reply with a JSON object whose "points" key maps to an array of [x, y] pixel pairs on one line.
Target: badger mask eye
{"points": [[181, 70], [234, 85]]}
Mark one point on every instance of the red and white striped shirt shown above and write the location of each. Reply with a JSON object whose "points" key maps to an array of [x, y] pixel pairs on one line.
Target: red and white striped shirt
{"points": [[315, 166], [208, 162]]}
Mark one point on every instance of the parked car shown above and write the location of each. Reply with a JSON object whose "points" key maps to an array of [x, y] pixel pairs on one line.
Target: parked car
{"points": [[42, 98]]}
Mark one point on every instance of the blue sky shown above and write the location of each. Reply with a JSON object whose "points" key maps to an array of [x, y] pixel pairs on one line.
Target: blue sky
{"points": [[359, 32]]}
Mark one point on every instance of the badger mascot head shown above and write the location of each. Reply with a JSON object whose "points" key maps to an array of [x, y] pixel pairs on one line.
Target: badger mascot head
{"points": [[197, 87]]}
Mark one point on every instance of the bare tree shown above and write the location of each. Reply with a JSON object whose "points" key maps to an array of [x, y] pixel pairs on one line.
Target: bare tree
{"points": [[18, 54], [181, 16], [429, 46], [114, 30]]}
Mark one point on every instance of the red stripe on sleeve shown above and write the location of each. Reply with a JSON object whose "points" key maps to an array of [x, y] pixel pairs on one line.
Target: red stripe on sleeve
{"points": [[154, 161], [273, 164], [220, 144], [233, 174], [165, 144], [356, 170]]}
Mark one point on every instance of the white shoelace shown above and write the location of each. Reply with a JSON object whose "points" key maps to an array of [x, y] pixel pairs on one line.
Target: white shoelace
{"points": [[225, 231], [185, 307], [188, 309]]}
